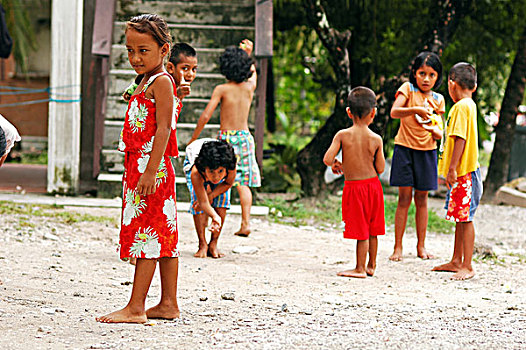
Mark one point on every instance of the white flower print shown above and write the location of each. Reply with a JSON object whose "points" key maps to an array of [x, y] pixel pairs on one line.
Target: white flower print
{"points": [[176, 253], [147, 147], [122, 145], [147, 242], [137, 116], [133, 206], [171, 214], [152, 249], [133, 110], [175, 114], [161, 173], [142, 163]]}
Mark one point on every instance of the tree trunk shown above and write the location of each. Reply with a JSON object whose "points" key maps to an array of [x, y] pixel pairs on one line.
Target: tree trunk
{"points": [[505, 130], [310, 159]]}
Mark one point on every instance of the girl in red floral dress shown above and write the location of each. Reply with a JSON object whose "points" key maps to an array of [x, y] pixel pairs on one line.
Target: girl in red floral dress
{"points": [[149, 217]]}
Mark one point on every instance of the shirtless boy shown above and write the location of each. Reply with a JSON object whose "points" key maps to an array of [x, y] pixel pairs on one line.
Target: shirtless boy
{"points": [[235, 97], [362, 161]]}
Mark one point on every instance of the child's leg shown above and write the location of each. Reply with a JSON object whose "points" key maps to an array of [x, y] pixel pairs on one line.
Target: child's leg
{"points": [[405, 195], [421, 216], [167, 307], [468, 242], [245, 197], [362, 246], [134, 312], [212, 246], [456, 260], [373, 249], [200, 221]]}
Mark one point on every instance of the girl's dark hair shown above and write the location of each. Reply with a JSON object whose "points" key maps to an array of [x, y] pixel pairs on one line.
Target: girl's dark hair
{"points": [[235, 64], [215, 154], [153, 25], [430, 59]]}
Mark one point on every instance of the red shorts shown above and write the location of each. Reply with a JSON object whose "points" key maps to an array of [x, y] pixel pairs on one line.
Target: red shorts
{"points": [[363, 209]]}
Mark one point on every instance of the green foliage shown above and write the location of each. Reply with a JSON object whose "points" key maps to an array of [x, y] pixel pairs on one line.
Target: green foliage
{"points": [[328, 212], [28, 211], [21, 29], [435, 223]]}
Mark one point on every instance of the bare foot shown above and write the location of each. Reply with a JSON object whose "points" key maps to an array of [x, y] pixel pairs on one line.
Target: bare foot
{"points": [[123, 316], [369, 270], [214, 252], [463, 274], [449, 267], [423, 254], [164, 312], [397, 255], [243, 232], [352, 273], [201, 253]]}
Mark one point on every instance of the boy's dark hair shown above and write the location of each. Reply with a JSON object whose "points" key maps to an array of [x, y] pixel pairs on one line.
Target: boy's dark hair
{"points": [[179, 49], [426, 58], [235, 64], [361, 101], [215, 154], [464, 74]]}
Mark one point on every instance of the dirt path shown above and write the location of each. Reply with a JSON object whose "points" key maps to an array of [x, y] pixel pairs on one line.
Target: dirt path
{"points": [[57, 277]]}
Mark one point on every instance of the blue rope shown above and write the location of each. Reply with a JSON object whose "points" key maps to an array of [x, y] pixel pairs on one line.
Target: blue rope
{"points": [[38, 101], [22, 90]]}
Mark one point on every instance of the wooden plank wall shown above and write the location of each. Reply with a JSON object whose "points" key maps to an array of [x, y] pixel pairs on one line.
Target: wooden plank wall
{"points": [[209, 26]]}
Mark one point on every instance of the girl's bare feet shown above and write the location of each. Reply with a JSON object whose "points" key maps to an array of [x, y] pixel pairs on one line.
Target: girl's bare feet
{"points": [[166, 312], [123, 316], [353, 273], [423, 254], [369, 270], [463, 274], [213, 251], [201, 253], [397, 255], [449, 267], [243, 231]]}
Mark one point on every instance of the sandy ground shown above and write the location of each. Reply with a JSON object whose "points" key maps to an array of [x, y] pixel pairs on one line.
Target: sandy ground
{"points": [[56, 278]]}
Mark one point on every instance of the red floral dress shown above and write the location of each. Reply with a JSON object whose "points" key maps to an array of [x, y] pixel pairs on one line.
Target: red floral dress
{"points": [[149, 223]]}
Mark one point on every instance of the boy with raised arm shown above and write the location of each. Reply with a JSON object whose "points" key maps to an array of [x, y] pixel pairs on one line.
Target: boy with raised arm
{"points": [[362, 161], [235, 97], [461, 169]]}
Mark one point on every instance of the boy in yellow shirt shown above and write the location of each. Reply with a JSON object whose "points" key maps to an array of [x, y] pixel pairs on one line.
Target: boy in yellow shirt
{"points": [[461, 169]]}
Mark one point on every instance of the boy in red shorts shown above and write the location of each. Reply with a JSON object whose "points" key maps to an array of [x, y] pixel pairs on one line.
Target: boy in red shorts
{"points": [[363, 198], [461, 169]]}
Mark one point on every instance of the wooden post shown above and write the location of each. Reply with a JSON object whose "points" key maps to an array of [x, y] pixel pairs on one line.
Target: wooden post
{"points": [[98, 29], [64, 107], [263, 52]]}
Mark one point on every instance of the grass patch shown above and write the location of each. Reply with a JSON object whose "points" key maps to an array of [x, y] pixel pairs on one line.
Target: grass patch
{"points": [[328, 211], [27, 211]]}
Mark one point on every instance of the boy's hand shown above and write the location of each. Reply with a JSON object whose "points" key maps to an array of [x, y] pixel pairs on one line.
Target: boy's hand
{"points": [[337, 167], [146, 184], [451, 178], [247, 46], [215, 226], [183, 91]]}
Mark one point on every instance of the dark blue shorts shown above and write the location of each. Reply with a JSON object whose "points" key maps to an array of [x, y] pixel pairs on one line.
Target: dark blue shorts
{"points": [[417, 169]]}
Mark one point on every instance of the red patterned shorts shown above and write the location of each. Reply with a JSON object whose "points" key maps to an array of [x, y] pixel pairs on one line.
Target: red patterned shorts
{"points": [[463, 197]]}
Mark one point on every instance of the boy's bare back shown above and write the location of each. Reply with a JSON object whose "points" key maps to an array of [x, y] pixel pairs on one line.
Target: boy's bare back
{"points": [[235, 99], [362, 154]]}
